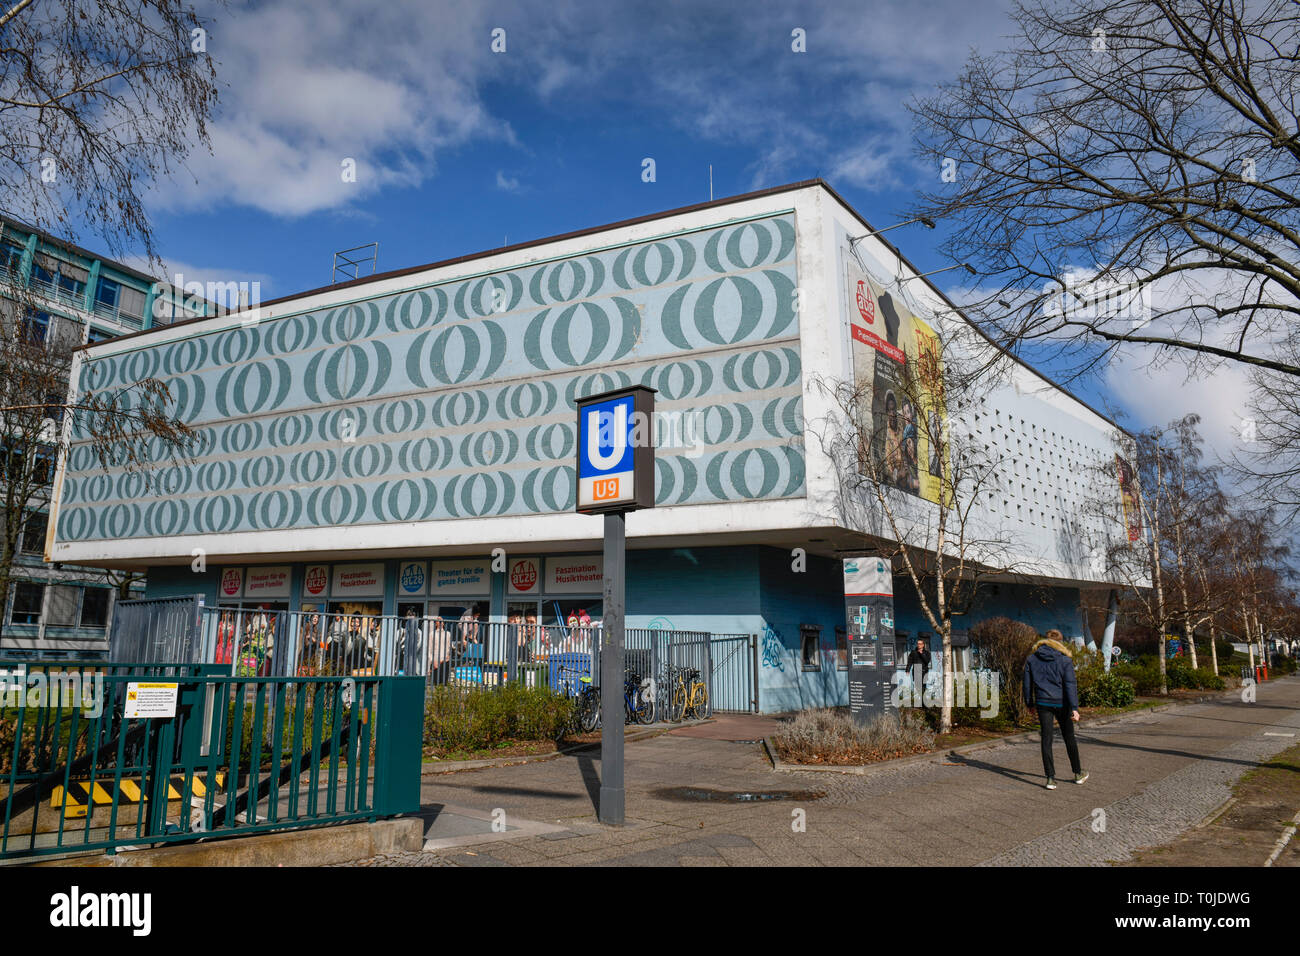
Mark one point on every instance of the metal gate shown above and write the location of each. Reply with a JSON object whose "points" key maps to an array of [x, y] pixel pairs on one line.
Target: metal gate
{"points": [[237, 756], [733, 683], [156, 630]]}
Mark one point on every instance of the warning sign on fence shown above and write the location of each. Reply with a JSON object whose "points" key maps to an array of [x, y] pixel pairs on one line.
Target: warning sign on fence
{"points": [[150, 699]]}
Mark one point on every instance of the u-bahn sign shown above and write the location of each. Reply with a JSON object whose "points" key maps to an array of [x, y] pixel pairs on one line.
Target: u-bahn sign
{"points": [[616, 455]]}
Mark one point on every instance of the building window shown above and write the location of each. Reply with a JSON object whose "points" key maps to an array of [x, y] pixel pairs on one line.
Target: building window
{"points": [[106, 294], [34, 533], [35, 325], [11, 257], [62, 609], [810, 647], [94, 607], [97, 335], [27, 603], [44, 465]]}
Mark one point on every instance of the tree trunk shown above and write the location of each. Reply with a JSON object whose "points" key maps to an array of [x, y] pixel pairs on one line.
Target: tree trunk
{"points": [[945, 716], [1214, 651]]}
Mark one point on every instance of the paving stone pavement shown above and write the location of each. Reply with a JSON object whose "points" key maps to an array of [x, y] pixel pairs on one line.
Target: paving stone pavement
{"points": [[1153, 776]]}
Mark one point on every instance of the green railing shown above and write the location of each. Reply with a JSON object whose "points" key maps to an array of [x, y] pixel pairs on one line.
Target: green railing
{"points": [[240, 755]]}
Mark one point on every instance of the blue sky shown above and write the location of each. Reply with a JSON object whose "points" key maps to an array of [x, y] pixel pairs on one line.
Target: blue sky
{"points": [[459, 148]]}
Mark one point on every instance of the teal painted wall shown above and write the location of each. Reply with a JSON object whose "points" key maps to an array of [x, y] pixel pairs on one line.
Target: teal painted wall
{"points": [[790, 599], [165, 581]]}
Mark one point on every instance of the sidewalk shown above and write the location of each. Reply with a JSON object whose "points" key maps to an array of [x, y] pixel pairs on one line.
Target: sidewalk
{"points": [[696, 801]]}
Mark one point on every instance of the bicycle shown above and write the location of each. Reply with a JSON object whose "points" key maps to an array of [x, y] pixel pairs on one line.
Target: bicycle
{"points": [[638, 699], [689, 694], [638, 706], [586, 712]]}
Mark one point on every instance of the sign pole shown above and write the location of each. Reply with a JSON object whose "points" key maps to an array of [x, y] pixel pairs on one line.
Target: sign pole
{"points": [[615, 472], [612, 794]]}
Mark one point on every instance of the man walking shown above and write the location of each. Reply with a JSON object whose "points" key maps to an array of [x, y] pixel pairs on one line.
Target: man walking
{"points": [[918, 668], [1050, 687]]}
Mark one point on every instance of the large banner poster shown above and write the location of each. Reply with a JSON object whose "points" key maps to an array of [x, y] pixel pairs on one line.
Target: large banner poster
{"points": [[1128, 498], [896, 362]]}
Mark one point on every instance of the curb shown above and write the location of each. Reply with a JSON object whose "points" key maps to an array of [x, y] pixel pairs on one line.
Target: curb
{"points": [[307, 846], [780, 766]]}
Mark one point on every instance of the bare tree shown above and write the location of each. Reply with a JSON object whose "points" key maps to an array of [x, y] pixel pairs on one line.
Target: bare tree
{"points": [[1143, 561], [1191, 507], [97, 101], [1266, 460], [131, 427], [1208, 562], [1258, 563], [1131, 144], [946, 544]]}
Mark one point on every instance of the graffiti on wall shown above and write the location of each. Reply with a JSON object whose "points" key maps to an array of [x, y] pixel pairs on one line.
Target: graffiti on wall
{"points": [[773, 649]]}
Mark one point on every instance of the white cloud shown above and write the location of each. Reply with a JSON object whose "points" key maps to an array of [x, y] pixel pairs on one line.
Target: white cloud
{"points": [[506, 183], [1157, 394], [307, 87], [394, 86]]}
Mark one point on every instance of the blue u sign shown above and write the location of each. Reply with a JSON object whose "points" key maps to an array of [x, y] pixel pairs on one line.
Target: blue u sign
{"points": [[615, 451]]}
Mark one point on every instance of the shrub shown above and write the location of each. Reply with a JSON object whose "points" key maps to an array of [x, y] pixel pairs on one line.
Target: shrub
{"points": [[973, 717], [833, 737], [474, 718], [1108, 690], [1180, 675], [1089, 668], [1183, 675], [1283, 664], [1005, 645], [1144, 675]]}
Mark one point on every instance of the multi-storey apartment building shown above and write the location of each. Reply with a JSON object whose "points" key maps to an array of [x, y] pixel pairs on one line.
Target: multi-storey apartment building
{"points": [[55, 296]]}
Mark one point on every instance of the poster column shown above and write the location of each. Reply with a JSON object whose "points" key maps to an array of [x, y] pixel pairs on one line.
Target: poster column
{"points": [[869, 610]]}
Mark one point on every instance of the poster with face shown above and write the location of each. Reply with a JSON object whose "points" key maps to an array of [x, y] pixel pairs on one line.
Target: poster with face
{"points": [[1128, 498], [896, 360]]}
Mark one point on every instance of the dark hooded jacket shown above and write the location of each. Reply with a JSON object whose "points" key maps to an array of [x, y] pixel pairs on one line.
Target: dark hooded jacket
{"points": [[1049, 677]]}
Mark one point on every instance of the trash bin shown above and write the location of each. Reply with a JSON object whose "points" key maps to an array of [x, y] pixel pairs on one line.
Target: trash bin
{"points": [[568, 682]]}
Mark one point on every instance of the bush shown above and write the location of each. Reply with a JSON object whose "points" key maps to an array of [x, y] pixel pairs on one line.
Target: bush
{"points": [[1089, 669], [1005, 645], [833, 737], [1108, 690], [1283, 664], [1183, 676], [475, 718], [1144, 675], [972, 717]]}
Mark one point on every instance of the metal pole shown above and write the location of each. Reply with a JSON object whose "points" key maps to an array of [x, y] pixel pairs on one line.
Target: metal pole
{"points": [[611, 675]]}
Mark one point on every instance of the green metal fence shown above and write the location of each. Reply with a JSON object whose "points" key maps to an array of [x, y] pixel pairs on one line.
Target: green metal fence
{"points": [[240, 755]]}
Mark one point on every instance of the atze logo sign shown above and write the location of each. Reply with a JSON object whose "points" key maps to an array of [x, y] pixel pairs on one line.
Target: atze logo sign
{"points": [[866, 303], [616, 451]]}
